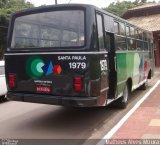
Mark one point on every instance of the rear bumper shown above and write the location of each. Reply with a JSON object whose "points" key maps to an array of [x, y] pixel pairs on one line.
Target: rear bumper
{"points": [[54, 100]]}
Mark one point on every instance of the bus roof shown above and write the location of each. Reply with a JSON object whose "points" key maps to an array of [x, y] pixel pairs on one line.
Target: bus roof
{"points": [[59, 6], [50, 7]]}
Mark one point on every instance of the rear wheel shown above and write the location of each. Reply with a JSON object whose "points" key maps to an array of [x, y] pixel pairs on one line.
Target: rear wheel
{"points": [[144, 85], [2, 98], [123, 101]]}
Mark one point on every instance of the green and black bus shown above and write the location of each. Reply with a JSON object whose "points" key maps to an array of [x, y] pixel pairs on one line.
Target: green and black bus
{"points": [[76, 55]]}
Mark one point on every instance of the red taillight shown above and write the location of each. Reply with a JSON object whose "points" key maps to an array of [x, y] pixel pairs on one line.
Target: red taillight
{"points": [[12, 80], [77, 80], [77, 88], [77, 84]]}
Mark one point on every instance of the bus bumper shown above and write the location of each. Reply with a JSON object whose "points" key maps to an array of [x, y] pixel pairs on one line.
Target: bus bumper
{"points": [[54, 100]]}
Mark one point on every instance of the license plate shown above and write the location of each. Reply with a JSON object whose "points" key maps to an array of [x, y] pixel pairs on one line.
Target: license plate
{"points": [[43, 89]]}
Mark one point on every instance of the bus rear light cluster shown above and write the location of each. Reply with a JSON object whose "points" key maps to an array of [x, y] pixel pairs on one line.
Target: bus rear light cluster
{"points": [[77, 84], [12, 81]]}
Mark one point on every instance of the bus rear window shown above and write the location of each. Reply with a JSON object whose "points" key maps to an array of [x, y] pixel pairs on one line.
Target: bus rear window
{"points": [[49, 29]]}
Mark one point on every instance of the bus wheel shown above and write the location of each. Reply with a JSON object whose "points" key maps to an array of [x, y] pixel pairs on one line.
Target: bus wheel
{"points": [[123, 101], [144, 85], [2, 98]]}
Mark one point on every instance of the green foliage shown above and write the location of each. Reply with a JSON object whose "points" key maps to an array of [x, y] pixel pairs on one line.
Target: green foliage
{"points": [[7, 7], [119, 8]]}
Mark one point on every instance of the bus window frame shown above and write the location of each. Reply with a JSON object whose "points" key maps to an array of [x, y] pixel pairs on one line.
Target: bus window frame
{"points": [[48, 49], [132, 32], [103, 29], [129, 32], [136, 33], [116, 42], [118, 32]]}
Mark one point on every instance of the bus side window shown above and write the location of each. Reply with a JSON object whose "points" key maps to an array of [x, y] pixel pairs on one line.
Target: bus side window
{"points": [[131, 44], [100, 31], [121, 43], [128, 31], [139, 44], [116, 28], [122, 29], [137, 34], [140, 35], [145, 45], [144, 36], [150, 49], [132, 32]]}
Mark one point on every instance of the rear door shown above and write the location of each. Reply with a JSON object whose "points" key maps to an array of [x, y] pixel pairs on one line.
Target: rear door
{"points": [[110, 46], [108, 59]]}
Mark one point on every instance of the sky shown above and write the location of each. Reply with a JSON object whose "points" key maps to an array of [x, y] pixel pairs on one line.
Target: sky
{"points": [[98, 3]]}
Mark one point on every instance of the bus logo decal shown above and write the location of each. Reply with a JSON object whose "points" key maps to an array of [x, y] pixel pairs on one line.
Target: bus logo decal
{"points": [[37, 68], [47, 68], [57, 69]]}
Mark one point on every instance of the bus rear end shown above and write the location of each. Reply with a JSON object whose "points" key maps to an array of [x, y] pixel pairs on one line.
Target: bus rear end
{"points": [[47, 60]]}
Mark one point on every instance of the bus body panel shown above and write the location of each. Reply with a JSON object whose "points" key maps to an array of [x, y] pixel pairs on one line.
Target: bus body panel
{"points": [[138, 65], [54, 75]]}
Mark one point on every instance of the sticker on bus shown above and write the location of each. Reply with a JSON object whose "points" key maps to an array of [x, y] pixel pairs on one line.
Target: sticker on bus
{"points": [[43, 89]]}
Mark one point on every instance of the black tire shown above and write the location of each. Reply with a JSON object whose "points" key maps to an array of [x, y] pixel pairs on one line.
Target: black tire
{"points": [[122, 102], [2, 98], [144, 86]]}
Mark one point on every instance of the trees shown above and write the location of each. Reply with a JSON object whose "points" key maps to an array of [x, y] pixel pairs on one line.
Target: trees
{"points": [[7, 7], [10, 6], [119, 8]]}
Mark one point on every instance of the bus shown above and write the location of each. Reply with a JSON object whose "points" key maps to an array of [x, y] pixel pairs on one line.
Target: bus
{"points": [[76, 55]]}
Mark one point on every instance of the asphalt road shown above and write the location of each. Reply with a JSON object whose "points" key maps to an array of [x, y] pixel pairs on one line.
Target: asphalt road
{"points": [[20, 120]]}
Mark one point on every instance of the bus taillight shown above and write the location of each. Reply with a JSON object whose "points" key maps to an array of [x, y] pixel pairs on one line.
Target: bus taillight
{"points": [[12, 81], [77, 84]]}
